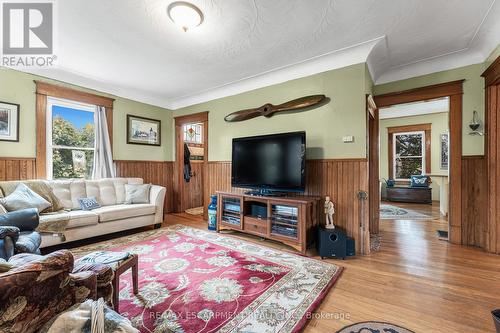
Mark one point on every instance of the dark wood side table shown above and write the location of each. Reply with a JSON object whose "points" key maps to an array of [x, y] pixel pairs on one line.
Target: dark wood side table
{"points": [[131, 262]]}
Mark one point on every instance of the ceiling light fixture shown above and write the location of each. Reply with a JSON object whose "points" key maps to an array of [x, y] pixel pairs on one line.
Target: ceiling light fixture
{"points": [[185, 14]]}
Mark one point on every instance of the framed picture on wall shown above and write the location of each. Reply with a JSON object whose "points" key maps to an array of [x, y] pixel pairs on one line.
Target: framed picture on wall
{"points": [[9, 122], [143, 131], [444, 150]]}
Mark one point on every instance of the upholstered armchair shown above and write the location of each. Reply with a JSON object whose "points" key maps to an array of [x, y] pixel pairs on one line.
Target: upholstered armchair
{"points": [[39, 287], [17, 233]]}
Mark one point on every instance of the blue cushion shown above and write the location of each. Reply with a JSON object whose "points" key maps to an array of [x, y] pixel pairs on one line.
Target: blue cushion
{"points": [[419, 181], [88, 203]]}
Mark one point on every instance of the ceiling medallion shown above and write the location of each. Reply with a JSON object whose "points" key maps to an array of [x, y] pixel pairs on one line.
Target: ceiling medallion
{"points": [[185, 14]]}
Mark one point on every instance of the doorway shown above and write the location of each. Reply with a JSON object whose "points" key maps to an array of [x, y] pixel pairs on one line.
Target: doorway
{"points": [[414, 164], [191, 145], [453, 92]]}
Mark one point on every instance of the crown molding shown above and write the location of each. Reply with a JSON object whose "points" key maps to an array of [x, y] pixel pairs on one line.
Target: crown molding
{"points": [[344, 57], [65, 77]]}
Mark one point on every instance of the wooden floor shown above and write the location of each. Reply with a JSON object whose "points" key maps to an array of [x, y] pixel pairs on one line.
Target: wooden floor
{"points": [[415, 280]]}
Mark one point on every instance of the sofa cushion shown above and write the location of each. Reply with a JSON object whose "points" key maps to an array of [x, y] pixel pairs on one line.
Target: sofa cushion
{"points": [[103, 190], [119, 184], [77, 218], [119, 212], [69, 191]]}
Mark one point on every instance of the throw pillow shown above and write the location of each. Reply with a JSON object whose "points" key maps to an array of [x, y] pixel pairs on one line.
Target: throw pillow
{"points": [[419, 181], [40, 187], [137, 193], [23, 197], [88, 203]]}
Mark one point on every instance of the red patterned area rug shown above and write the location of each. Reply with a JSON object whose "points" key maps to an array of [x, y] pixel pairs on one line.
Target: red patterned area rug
{"points": [[192, 280]]}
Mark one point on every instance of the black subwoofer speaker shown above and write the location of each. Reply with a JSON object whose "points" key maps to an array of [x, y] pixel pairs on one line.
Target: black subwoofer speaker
{"points": [[335, 244]]}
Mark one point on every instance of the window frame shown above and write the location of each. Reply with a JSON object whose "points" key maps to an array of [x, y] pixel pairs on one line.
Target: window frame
{"points": [[426, 128], [52, 101], [422, 156], [45, 90]]}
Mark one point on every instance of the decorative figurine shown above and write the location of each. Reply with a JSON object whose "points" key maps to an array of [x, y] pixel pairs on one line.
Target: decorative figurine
{"points": [[329, 211]]}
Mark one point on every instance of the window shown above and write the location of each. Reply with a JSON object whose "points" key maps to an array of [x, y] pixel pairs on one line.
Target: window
{"points": [[409, 151], [193, 133], [70, 139], [409, 154]]}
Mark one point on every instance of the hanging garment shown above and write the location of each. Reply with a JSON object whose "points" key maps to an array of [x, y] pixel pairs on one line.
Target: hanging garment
{"points": [[187, 163]]}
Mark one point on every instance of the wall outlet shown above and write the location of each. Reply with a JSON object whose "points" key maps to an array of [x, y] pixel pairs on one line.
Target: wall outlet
{"points": [[348, 138]]}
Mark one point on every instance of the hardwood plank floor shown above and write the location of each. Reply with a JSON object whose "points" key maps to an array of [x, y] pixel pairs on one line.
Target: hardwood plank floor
{"points": [[415, 280]]}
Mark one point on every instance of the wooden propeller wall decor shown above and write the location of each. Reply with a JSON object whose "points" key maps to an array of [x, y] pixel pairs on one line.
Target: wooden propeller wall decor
{"points": [[267, 110]]}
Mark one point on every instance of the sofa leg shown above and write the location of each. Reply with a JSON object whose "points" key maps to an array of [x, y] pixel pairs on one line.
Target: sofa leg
{"points": [[157, 225]]}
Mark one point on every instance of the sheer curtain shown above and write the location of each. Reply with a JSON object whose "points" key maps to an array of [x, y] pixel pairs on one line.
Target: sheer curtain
{"points": [[103, 159]]}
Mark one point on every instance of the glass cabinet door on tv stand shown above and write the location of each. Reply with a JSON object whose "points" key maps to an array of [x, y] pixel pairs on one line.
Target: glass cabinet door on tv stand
{"points": [[231, 211], [284, 220]]}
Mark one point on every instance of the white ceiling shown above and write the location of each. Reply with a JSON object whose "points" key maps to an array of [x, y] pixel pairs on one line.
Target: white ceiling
{"points": [[130, 48]]}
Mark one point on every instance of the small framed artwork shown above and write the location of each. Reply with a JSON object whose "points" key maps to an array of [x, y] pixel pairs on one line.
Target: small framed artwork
{"points": [[444, 138], [9, 122], [143, 131]]}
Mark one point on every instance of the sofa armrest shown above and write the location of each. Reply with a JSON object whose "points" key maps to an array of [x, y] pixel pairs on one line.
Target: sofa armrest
{"points": [[24, 219], [44, 288], [58, 261], [157, 198], [84, 286]]}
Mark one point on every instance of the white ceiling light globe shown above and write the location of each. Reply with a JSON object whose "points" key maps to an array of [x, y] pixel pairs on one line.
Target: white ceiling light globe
{"points": [[185, 14]]}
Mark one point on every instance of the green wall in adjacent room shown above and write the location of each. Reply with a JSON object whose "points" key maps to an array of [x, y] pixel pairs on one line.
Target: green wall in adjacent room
{"points": [[473, 98], [493, 55], [18, 87], [439, 125], [324, 126]]}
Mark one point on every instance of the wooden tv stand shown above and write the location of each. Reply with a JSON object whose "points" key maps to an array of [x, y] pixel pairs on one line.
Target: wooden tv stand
{"points": [[290, 220]]}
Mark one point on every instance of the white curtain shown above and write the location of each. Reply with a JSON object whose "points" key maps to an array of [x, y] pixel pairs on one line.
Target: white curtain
{"points": [[103, 159]]}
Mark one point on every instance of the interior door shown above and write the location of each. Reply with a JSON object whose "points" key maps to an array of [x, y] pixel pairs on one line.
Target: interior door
{"points": [[190, 194]]}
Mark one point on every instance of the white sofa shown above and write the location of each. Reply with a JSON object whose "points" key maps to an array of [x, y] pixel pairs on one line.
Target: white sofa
{"points": [[113, 216]]}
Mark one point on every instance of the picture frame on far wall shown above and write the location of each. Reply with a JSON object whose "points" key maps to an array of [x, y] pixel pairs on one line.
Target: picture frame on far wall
{"points": [[9, 122], [143, 131], [444, 158]]}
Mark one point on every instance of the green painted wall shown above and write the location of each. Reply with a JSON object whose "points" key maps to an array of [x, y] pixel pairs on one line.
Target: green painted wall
{"points": [[439, 125], [473, 98], [493, 55], [325, 126], [18, 87]]}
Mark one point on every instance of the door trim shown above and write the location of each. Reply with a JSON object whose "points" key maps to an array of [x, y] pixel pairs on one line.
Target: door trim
{"points": [[201, 117], [453, 90]]}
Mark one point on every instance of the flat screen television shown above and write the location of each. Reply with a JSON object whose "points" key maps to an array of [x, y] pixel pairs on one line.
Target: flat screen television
{"points": [[270, 163]]}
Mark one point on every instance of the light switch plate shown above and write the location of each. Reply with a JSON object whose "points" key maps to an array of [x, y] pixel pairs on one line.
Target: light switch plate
{"points": [[348, 138]]}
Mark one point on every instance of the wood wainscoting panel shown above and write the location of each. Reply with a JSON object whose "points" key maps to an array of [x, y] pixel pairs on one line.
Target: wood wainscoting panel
{"points": [[341, 179], [492, 79], [13, 168], [154, 172], [474, 201]]}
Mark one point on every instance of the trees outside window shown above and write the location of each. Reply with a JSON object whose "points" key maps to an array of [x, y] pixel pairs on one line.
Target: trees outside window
{"points": [[408, 154], [70, 139]]}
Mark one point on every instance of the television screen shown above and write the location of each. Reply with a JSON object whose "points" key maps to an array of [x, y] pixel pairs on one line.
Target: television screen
{"points": [[270, 162]]}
